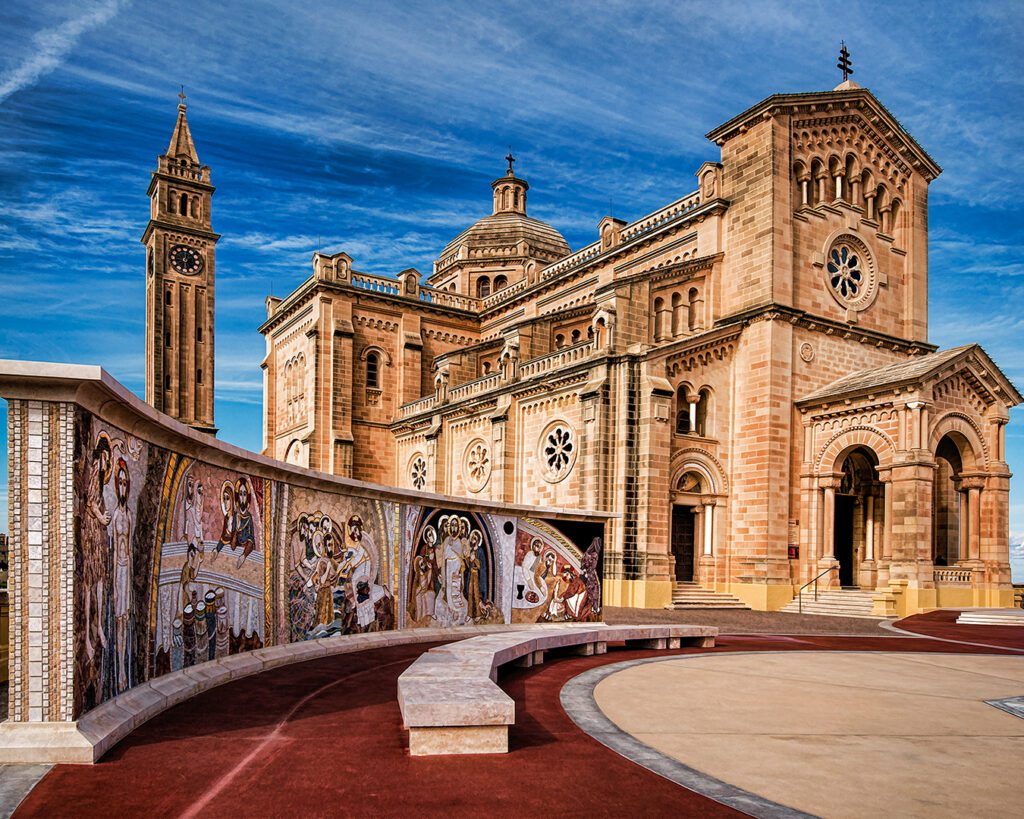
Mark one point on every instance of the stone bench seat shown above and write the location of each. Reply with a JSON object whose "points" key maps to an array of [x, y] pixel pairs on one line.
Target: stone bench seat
{"points": [[449, 697]]}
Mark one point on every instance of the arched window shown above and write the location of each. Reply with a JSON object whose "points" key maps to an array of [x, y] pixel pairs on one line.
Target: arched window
{"points": [[183, 205], [500, 282], [661, 316], [682, 410], [483, 287], [559, 341], [575, 336], [679, 315], [818, 176], [895, 223], [373, 371], [487, 367], [703, 427], [693, 308]]}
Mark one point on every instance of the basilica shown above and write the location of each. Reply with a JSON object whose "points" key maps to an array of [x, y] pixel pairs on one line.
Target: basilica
{"points": [[743, 377]]}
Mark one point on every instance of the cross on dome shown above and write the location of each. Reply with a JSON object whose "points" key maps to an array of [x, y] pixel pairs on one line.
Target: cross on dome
{"points": [[511, 161]]}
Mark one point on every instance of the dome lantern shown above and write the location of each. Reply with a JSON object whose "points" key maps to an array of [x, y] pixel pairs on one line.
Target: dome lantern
{"points": [[510, 191]]}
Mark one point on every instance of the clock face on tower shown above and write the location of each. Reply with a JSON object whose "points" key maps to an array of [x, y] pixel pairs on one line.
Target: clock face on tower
{"points": [[185, 260]]}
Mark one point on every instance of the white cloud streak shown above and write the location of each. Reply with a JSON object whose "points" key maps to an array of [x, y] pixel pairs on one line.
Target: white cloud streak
{"points": [[50, 47]]}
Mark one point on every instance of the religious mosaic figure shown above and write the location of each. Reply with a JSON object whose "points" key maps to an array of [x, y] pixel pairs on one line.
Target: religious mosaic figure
{"points": [[227, 507], [450, 580], [334, 587], [193, 530], [94, 541], [121, 540], [245, 530]]}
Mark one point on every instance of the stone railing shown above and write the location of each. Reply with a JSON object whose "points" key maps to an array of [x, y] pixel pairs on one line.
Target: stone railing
{"points": [[140, 547], [475, 387], [667, 214], [954, 575], [577, 259], [557, 359], [377, 284], [446, 298], [505, 293], [416, 407], [651, 222], [173, 167]]}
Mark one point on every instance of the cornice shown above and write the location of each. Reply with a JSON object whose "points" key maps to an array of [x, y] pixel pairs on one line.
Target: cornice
{"points": [[830, 327], [308, 288], [836, 100]]}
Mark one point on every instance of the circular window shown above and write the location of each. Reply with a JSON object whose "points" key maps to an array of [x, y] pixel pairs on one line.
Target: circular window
{"points": [[476, 465], [557, 451], [418, 472], [850, 273]]}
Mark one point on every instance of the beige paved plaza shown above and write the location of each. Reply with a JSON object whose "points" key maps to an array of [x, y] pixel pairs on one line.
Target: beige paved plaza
{"points": [[836, 734]]}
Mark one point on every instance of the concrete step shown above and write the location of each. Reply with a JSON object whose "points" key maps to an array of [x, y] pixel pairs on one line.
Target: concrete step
{"points": [[835, 603], [992, 617], [686, 596]]}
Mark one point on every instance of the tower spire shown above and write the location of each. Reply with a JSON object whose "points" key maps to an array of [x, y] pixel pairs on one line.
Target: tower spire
{"points": [[182, 146]]}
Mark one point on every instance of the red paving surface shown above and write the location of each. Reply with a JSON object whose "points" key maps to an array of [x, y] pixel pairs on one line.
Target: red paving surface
{"points": [[324, 738], [943, 624]]}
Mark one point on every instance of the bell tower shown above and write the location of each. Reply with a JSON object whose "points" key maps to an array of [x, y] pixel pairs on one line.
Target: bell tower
{"points": [[180, 282]]}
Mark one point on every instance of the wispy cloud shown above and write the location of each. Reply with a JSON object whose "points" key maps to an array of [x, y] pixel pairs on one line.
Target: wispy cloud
{"points": [[52, 46]]}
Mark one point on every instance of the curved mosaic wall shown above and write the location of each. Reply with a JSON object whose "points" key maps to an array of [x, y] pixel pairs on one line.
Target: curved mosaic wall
{"points": [[166, 557]]}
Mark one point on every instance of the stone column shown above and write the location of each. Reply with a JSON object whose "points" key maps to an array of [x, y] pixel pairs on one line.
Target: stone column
{"points": [[41, 575], [828, 485], [973, 485], [855, 191], [870, 198], [885, 547], [709, 526], [662, 321]]}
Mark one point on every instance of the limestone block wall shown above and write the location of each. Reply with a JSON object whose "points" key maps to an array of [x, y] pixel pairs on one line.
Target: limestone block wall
{"points": [[140, 547]]}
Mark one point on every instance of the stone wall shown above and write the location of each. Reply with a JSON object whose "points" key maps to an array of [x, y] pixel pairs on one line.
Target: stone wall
{"points": [[140, 547]]}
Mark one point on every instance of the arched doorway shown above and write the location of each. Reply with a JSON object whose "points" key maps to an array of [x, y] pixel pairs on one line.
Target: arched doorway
{"points": [[857, 515], [947, 535], [689, 523]]}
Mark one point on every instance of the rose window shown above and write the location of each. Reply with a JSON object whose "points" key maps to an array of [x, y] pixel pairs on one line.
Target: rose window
{"points": [[477, 465], [418, 472], [845, 272], [557, 451], [850, 274]]}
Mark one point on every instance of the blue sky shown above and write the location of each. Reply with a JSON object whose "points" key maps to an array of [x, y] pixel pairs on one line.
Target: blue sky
{"points": [[376, 128]]}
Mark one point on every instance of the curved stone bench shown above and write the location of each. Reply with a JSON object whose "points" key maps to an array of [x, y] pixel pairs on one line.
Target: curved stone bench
{"points": [[450, 700], [97, 731]]}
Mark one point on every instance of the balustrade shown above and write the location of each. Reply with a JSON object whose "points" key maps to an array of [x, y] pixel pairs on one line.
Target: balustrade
{"points": [[953, 575]]}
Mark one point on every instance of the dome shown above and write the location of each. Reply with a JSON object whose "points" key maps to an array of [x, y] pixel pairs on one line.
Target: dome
{"points": [[507, 230], [508, 233]]}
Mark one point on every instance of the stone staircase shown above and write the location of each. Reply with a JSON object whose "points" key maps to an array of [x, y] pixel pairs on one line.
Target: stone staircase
{"points": [[835, 603], [991, 617], [694, 596]]}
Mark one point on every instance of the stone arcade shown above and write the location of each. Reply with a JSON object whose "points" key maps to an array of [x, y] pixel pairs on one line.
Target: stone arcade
{"points": [[743, 376]]}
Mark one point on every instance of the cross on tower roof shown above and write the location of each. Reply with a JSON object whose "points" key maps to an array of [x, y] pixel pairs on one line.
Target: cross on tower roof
{"points": [[510, 160], [844, 63], [181, 96]]}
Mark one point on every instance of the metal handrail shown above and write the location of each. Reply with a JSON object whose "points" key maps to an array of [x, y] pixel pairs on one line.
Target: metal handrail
{"points": [[800, 594]]}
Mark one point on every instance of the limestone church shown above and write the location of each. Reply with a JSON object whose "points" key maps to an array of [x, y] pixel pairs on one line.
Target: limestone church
{"points": [[742, 376]]}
